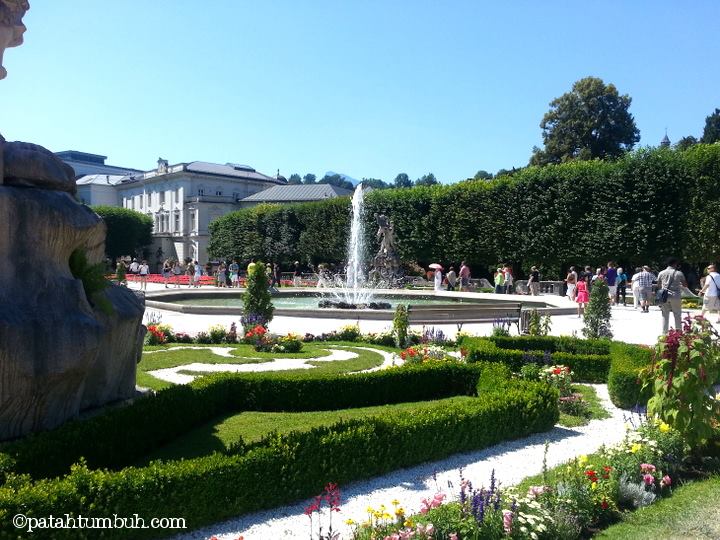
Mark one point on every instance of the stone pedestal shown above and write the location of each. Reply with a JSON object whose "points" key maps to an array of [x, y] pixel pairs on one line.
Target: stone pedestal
{"points": [[58, 354]]}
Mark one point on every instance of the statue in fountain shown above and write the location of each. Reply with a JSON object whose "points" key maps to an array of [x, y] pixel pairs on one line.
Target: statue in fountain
{"points": [[386, 263], [61, 351]]}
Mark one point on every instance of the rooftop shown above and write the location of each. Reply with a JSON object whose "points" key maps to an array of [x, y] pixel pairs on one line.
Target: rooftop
{"points": [[298, 193], [203, 167]]}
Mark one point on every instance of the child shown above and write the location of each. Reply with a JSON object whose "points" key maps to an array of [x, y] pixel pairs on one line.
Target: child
{"points": [[581, 295]]}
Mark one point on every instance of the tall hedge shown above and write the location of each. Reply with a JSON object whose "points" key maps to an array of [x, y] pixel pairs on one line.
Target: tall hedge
{"points": [[638, 210], [127, 230]]}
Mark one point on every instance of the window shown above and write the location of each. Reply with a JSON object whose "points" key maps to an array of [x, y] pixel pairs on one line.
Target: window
{"points": [[201, 192], [162, 197], [193, 224], [177, 222], [218, 191]]}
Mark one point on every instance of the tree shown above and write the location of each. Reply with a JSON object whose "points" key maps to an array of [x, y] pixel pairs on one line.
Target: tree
{"points": [[128, 231], [295, 179], [482, 175], [597, 313], [402, 180], [711, 133], [591, 121], [309, 178], [375, 183], [686, 142], [257, 302], [427, 180], [336, 180]]}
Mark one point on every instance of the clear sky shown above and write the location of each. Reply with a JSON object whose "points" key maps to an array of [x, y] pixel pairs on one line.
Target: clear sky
{"points": [[369, 88]]}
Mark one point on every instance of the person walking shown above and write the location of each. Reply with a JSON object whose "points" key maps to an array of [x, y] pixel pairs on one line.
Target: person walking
{"points": [[144, 271], [234, 273], [276, 275], [711, 292], [190, 273], [198, 274], [534, 281], [135, 267], [635, 287], [671, 280], [438, 279], [507, 274], [499, 281], [296, 274], [221, 275], [451, 279], [645, 280], [620, 286], [571, 280], [166, 272], [582, 295], [611, 278], [177, 272], [464, 276]]}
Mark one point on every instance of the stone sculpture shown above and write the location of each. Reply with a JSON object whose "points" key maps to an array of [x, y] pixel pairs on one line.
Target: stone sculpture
{"points": [[386, 263], [59, 354]]}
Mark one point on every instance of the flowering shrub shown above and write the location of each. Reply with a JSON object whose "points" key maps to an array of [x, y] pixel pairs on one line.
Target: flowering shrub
{"points": [[558, 376], [423, 353], [685, 367], [287, 344], [258, 337], [154, 335], [350, 332], [217, 333], [182, 337]]}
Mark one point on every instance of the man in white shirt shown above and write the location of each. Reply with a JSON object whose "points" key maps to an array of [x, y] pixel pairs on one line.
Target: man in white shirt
{"points": [[711, 292], [673, 280], [134, 267]]}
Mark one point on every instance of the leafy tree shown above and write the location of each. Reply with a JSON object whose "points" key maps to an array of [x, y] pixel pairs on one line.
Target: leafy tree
{"points": [[711, 133], [257, 300], [336, 180], [482, 175], [686, 142], [295, 179], [427, 180], [402, 180], [597, 313], [375, 183], [506, 172], [309, 178], [591, 121], [128, 231]]}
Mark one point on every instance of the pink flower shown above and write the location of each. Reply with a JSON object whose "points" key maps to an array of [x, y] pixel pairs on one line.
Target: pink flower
{"points": [[394, 536], [648, 479], [666, 481], [452, 536], [647, 468], [507, 521], [534, 491]]}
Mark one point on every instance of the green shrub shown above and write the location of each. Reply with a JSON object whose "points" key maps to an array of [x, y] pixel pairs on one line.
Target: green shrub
{"points": [[257, 300], [597, 313], [350, 332], [288, 467], [217, 333], [401, 323], [566, 344], [624, 385], [591, 368]]}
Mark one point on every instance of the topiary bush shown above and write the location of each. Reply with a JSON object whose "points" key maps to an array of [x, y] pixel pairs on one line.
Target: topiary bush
{"points": [[257, 299], [597, 313]]}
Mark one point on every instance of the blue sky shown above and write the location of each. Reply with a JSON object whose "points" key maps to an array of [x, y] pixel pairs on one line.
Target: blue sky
{"points": [[368, 88]]}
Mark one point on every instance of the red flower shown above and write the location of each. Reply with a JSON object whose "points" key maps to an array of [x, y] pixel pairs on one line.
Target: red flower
{"points": [[604, 505]]}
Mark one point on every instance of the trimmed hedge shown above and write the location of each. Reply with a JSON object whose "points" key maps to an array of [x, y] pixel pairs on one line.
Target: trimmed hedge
{"points": [[590, 368], [553, 344], [624, 387], [280, 469], [121, 436]]}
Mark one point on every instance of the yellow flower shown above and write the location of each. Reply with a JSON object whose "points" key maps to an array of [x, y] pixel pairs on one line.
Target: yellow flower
{"points": [[635, 448], [386, 516], [350, 522], [370, 510], [593, 485], [409, 523], [395, 502], [664, 428], [582, 460], [399, 512]]}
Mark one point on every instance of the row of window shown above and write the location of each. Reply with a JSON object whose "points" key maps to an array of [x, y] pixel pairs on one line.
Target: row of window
{"points": [[162, 222]]}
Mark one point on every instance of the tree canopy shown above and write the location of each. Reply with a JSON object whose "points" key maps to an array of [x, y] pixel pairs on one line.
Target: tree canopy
{"points": [[402, 180], [309, 178], [128, 231], [426, 180], [711, 133], [295, 179], [591, 121]]}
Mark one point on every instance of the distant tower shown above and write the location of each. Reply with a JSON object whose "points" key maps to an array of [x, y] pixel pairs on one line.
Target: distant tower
{"points": [[665, 141]]}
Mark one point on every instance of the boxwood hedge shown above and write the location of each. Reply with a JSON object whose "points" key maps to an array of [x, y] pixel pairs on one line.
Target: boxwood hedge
{"points": [[279, 469]]}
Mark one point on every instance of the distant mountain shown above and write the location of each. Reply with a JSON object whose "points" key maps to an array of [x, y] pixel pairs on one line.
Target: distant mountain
{"points": [[350, 179]]}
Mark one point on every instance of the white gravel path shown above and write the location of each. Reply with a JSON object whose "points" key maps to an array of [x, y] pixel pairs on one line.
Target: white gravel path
{"points": [[512, 461], [174, 376]]}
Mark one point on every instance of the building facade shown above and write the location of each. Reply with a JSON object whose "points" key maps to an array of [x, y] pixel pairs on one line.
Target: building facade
{"points": [[183, 199]]}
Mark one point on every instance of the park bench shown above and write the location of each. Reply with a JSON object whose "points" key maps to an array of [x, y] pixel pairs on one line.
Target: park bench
{"points": [[464, 312]]}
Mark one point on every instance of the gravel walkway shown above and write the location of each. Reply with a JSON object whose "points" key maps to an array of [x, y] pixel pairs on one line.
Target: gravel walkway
{"points": [[174, 376], [512, 461]]}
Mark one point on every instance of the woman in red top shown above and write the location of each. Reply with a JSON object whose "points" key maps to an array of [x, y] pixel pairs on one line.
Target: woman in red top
{"points": [[582, 297]]}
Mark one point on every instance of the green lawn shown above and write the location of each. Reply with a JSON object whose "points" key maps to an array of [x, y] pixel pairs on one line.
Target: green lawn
{"points": [[597, 412], [245, 354], [250, 426], [693, 511]]}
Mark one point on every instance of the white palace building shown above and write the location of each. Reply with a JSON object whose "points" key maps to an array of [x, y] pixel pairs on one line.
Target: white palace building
{"points": [[182, 199]]}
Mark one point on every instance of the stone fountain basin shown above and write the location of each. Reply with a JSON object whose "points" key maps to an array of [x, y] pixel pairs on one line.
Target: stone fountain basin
{"points": [[294, 302]]}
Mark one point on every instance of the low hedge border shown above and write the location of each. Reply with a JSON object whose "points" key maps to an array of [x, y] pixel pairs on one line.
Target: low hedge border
{"points": [[586, 367], [120, 436], [595, 361], [280, 469]]}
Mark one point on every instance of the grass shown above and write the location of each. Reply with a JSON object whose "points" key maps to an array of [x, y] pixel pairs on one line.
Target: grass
{"points": [[219, 434], [595, 409], [693, 511], [245, 354]]}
